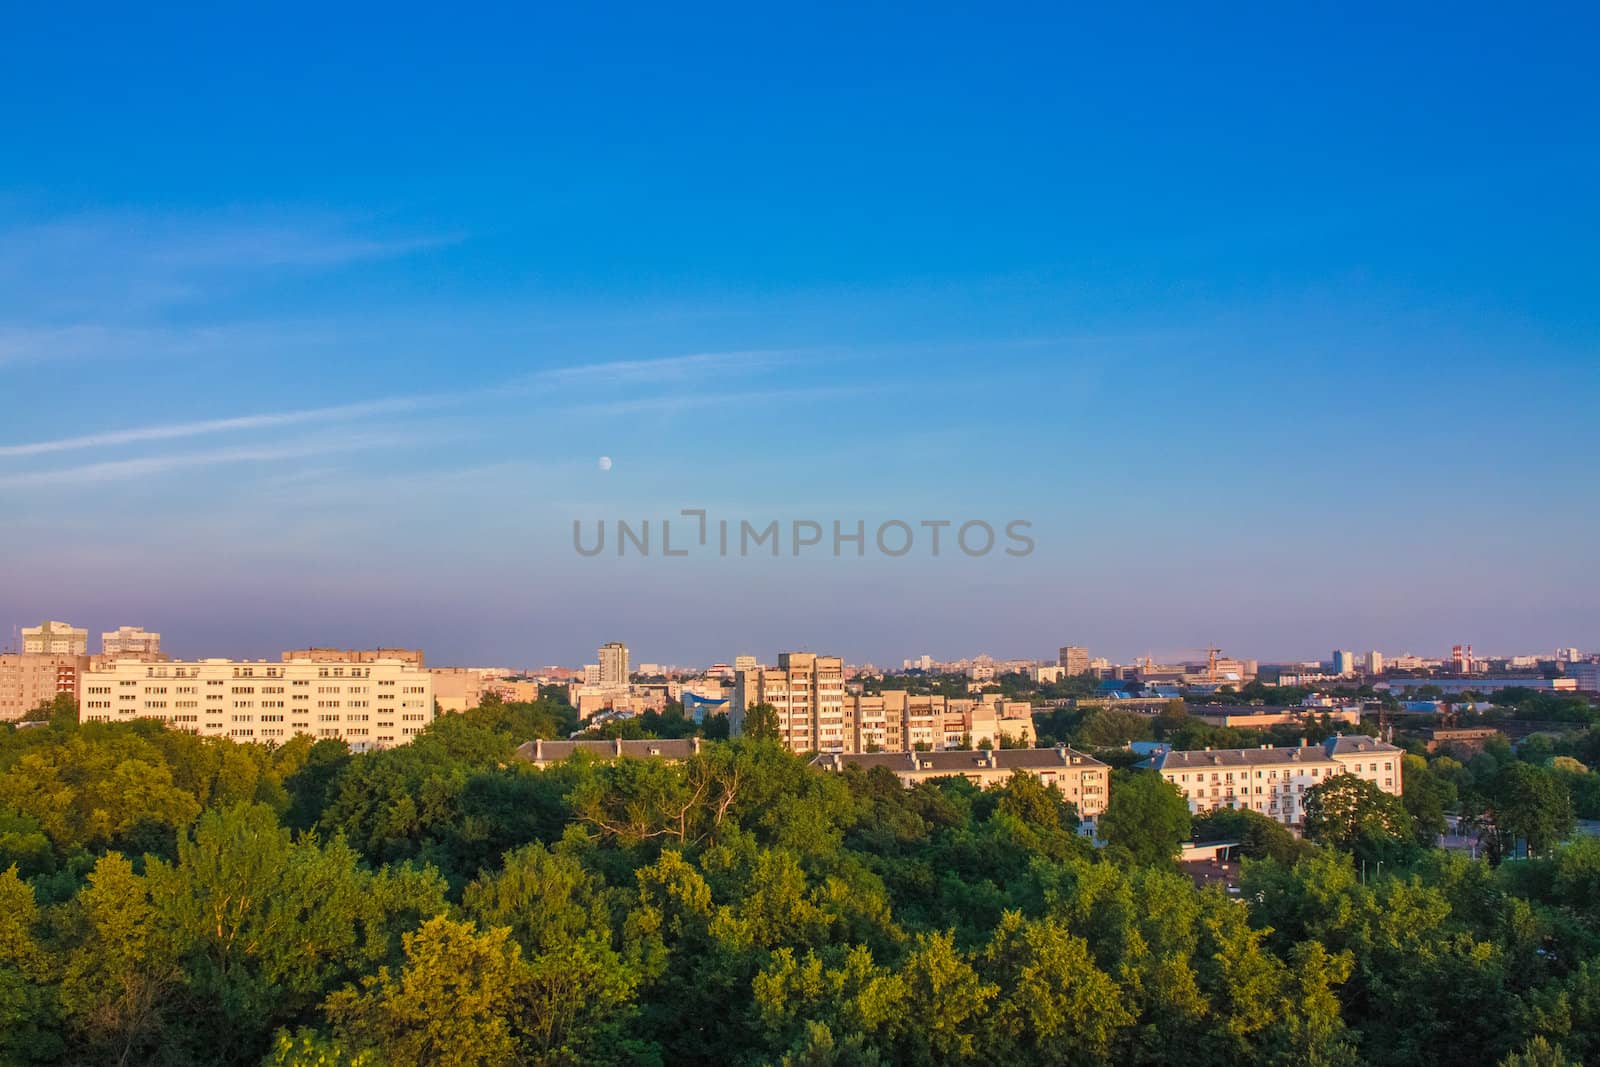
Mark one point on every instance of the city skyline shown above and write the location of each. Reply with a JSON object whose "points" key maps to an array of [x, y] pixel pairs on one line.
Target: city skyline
{"points": [[1275, 330], [11, 641]]}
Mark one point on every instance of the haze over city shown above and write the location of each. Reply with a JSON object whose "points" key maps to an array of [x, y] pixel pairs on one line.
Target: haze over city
{"points": [[1279, 333]]}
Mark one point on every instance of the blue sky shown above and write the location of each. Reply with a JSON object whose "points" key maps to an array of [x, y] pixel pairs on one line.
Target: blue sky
{"points": [[1280, 327]]}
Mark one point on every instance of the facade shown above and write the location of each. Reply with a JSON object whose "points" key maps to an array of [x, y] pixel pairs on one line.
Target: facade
{"points": [[1586, 676], [132, 642], [1251, 717], [368, 705], [1343, 662], [1081, 779], [51, 638], [1074, 659], [613, 663], [807, 691], [1273, 781], [1486, 683], [28, 679], [543, 753], [412, 656]]}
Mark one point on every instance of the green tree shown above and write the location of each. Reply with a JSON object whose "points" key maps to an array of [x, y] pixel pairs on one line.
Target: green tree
{"points": [[27, 1003], [1527, 803], [761, 723], [1349, 812], [1055, 1006], [1146, 817], [451, 1003]]}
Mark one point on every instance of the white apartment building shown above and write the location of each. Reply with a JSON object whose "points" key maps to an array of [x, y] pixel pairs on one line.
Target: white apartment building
{"points": [[132, 641], [52, 638], [1273, 781], [368, 705]]}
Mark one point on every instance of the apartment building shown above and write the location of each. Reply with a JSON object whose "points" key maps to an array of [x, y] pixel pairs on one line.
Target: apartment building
{"points": [[1083, 780], [368, 705], [807, 690], [1074, 659], [1273, 780], [613, 664], [28, 679], [130, 642], [52, 638]]}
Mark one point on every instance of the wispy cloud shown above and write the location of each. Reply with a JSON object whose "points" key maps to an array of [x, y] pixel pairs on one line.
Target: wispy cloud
{"points": [[698, 372], [702, 368], [676, 402], [172, 431], [97, 269], [125, 469]]}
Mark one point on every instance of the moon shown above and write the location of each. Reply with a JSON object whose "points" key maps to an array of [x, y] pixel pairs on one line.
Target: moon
{"points": [[605, 463]]}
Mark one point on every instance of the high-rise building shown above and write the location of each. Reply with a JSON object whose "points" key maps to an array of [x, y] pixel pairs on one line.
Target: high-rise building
{"points": [[1568, 655], [1075, 659], [29, 679], [55, 639], [1344, 662], [806, 690], [613, 663], [368, 705], [1374, 662], [134, 642]]}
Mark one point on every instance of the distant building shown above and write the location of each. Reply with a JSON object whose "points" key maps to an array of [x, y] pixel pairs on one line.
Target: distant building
{"points": [[1373, 663], [368, 705], [1467, 740], [28, 679], [52, 638], [543, 753], [1485, 683], [613, 663], [1049, 675], [412, 656], [1083, 780], [1273, 781], [1344, 662], [1584, 676], [1251, 717], [130, 642], [807, 691], [1074, 659]]}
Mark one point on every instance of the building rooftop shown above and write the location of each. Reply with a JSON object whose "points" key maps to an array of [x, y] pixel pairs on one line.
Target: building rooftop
{"points": [[960, 761], [541, 751], [1341, 745]]}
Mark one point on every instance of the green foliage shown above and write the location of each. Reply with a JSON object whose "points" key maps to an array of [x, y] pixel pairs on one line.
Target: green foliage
{"points": [[1352, 813], [443, 903], [1146, 818], [760, 723], [1258, 836]]}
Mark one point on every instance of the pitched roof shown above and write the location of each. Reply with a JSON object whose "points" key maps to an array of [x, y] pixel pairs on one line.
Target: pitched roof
{"points": [[959, 761], [1340, 745]]}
